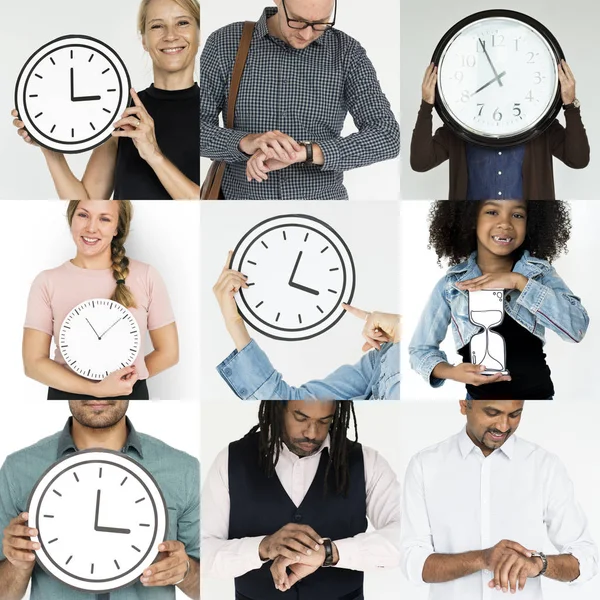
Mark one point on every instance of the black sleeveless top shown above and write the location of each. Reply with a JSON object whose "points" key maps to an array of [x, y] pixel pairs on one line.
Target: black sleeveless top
{"points": [[176, 117]]}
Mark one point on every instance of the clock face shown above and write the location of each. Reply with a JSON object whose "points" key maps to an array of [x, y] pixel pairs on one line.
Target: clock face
{"points": [[498, 78], [70, 92], [100, 517], [299, 273], [98, 337]]}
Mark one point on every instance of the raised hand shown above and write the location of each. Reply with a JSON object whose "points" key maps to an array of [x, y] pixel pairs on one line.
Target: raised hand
{"points": [[379, 327], [428, 85], [567, 82]]}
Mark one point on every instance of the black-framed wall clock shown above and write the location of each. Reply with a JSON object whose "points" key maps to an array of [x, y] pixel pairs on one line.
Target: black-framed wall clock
{"points": [[100, 517], [99, 336], [299, 272], [70, 92], [497, 82]]}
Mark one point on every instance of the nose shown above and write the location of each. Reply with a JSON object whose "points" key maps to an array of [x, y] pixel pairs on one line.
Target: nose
{"points": [[171, 32], [307, 33], [310, 433], [502, 424], [92, 225]]}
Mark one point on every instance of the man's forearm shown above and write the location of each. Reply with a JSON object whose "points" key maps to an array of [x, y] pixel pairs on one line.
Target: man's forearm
{"points": [[190, 586], [13, 582], [562, 567], [439, 568]]}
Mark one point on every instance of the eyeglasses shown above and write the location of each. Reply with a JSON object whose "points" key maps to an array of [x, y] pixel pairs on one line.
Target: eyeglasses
{"points": [[318, 26]]}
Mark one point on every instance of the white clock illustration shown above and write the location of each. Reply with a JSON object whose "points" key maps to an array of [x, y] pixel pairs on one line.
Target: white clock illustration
{"points": [[299, 273], [100, 517], [498, 78], [70, 92], [98, 337]]}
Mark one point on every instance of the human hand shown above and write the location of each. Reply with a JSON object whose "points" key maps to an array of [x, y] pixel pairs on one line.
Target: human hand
{"points": [[274, 144], [292, 541], [490, 281], [567, 82], [117, 383], [299, 570], [21, 128], [17, 545], [471, 374], [229, 283], [428, 85], [137, 124], [170, 568], [379, 327], [511, 564], [259, 164]]}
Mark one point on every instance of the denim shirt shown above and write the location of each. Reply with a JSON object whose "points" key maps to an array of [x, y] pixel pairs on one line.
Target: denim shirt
{"points": [[251, 376], [545, 302]]}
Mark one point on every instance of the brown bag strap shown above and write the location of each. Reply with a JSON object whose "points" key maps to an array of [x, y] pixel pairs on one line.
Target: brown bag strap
{"points": [[238, 70]]}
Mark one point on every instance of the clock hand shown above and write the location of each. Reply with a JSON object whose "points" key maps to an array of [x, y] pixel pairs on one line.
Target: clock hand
{"points": [[491, 64], [304, 288], [497, 78], [97, 510], [79, 98], [109, 328], [295, 268], [72, 86], [92, 328], [105, 529]]}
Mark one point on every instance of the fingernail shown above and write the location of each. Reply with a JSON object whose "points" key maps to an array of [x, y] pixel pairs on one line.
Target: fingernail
{"points": [[309, 552], [161, 547], [148, 573], [36, 546]]}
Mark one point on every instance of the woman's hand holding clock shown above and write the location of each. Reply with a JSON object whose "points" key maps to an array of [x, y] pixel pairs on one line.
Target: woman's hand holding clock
{"points": [[117, 383], [21, 127], [379, 328]]}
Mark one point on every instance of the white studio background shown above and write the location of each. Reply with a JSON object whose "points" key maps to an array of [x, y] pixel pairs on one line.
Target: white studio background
{"points": [[571, 364], [378, 31], [423, 25], [163, 234], [378, 424], [24, 171], [176, 423], [566, 428], [370, 231]]}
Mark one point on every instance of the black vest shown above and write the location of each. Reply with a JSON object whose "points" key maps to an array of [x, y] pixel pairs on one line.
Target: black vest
{"points": [[260, 506]]}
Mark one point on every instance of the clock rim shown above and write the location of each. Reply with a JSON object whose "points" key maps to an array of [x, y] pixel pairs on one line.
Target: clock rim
{"points": [[127, 95], [121, 455], [98, 300], [351, 271], [511, 140]]}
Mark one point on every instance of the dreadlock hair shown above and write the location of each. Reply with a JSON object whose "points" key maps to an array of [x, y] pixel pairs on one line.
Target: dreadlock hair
{"points": [[453, 229], [270, 430], [120, 263]]}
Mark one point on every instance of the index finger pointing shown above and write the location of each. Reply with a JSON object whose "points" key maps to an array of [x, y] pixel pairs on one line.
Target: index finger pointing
{"points": [[228, 261], [357, 312]]}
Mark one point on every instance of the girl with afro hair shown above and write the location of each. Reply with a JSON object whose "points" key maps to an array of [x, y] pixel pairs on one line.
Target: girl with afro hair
{"points": [[510, 245]]}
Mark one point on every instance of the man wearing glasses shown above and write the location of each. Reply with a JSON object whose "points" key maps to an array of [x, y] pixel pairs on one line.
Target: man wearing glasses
{"points": [[301, 79]]}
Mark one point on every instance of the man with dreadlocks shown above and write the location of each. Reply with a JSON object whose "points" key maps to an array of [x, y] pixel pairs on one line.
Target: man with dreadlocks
{"points": [[479, 507], [291, 498]]}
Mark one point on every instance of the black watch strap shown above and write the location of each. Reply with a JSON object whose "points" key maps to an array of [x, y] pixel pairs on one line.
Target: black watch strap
{"points": [[309, 152], [328, 546]]}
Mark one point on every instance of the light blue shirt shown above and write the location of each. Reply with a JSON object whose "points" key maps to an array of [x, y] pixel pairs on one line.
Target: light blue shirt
{"points": [[376, 376]]}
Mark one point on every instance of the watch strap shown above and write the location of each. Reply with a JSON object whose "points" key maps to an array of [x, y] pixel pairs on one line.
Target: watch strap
{"points": [[309, 152], [574, 104], [544, 562], [328, 546]]}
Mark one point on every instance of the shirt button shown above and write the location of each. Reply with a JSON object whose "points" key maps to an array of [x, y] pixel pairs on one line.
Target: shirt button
{"points": [[297, 517], [227, 371], [508, 298], [499, 153], [243, 391], [499, 172]]}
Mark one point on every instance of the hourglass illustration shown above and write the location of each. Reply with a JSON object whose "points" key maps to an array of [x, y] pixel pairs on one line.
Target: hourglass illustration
{"points": [[486, 309]]}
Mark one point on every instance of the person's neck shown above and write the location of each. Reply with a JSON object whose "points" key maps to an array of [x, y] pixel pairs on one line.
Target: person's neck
{"points": [[100, 262], [484, 449], [491, 263], [181, 80], [273, 26], [109, 438]]}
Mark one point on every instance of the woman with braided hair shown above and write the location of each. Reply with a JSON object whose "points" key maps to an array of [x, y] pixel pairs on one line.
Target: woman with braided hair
{"points": [[100, 269]]}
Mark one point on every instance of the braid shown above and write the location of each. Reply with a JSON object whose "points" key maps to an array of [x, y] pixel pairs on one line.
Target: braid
{"points": [[120, 268], [270, 430]]}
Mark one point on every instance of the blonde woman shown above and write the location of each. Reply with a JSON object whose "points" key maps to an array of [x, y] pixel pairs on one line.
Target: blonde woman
{"points": [[153, 153], [100, 269]]}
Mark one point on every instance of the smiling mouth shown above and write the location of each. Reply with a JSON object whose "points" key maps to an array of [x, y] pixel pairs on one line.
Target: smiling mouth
{"points": [[497, 437], [173, 50], [502, 239], [90, 241]]}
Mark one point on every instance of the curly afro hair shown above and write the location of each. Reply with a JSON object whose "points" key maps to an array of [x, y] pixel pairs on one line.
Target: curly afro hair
{"points": [[453, 224]]}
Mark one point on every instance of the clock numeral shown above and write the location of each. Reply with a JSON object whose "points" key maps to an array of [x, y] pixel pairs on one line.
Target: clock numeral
{"points": [[517, 109], [480, 110], [468, 60], [529, 96], [458, 75], [531, 56], [517, 44], [480, 45], [537, 77], [465, 96], [500, 41], [497, 115]]}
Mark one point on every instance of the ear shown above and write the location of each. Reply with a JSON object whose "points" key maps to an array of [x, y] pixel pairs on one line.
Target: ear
{"points": [[463, 407], [144, 42]]}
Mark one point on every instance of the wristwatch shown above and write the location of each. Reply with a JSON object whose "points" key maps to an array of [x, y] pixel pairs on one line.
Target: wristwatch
{"points": [[309, 152], [574, 104], [544, 562], [328, 546]]}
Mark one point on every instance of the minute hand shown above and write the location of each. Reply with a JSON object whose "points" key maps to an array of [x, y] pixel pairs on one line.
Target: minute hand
{"points": [[497, 77], [109, 328]]}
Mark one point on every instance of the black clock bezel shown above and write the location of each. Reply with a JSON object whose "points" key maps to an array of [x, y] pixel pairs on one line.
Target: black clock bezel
{"points": [[58, 39], [104, 451], [506, 141]]}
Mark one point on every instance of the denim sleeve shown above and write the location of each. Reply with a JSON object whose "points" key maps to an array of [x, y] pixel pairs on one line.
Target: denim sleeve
{"points": [[424, 348], [251, 376], [555, 306], [216, 142], [389, 379]]}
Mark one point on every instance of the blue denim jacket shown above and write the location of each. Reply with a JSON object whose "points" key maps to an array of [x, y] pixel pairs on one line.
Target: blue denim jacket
{"points": [[544, 302], [376, 376]]}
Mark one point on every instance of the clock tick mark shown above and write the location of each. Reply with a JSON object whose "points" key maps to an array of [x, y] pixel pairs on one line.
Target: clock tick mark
{"points": [[111, 90], [277, 317], [135, 548], [260, 304], [251, 263], [105, 71], [140, 500], [92, 126], [249, 284], [117, 564], [263, 243], [90, 58], [284, 236], [335, 269], [72, 132], [124, 480], [57, 493], [300, 318], [33, 95], [319, 309], [92, 569], [106, 110], [39, 115], [69, 559], [332, 291], [52, 541], [39, 76], [144, 524], [75, 474], [71, 54], [49, 516], [326, 247], [100, 473], [52, 61], [306, 237]]}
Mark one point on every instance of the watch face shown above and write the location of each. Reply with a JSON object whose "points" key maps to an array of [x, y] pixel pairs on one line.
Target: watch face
{"points": [[299, 273], [70, 92], [498, 78], [98, 337], [100, 517]]}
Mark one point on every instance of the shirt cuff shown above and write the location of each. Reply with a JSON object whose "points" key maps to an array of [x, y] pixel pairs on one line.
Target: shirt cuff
{"points": [[414, 563], [246, 371], [349, 554], [427, 366], [249, 550], [331, 155], [532, 296], [236, 154], [588, 567]]}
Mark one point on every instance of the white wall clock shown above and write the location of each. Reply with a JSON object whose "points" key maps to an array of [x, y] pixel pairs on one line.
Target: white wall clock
{"points": [[100, 517], [98, 337], [70, 92], [498, 78], [299, 273]]}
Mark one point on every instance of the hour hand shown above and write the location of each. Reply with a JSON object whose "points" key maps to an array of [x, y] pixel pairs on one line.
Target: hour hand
{"points": [[105, 529], [93, 328], [297, 286], [79, 98]]}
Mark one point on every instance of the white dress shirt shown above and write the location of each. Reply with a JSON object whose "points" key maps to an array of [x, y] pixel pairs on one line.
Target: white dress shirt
{"points": [[231, 558], [457, 500]]}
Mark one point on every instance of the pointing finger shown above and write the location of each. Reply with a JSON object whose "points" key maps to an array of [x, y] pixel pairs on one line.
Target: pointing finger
{"points": [[357, 312]]}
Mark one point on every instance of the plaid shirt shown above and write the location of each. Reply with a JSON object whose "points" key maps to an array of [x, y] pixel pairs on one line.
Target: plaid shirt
{"points": [[306, 94]]}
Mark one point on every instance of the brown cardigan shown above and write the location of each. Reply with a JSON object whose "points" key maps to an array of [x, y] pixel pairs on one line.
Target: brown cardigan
{"points": [[568, 144]]}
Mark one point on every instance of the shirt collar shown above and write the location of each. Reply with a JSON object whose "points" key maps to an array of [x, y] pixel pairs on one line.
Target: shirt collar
{"points": [[66, 443], [263, 31], [466, 445]]}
